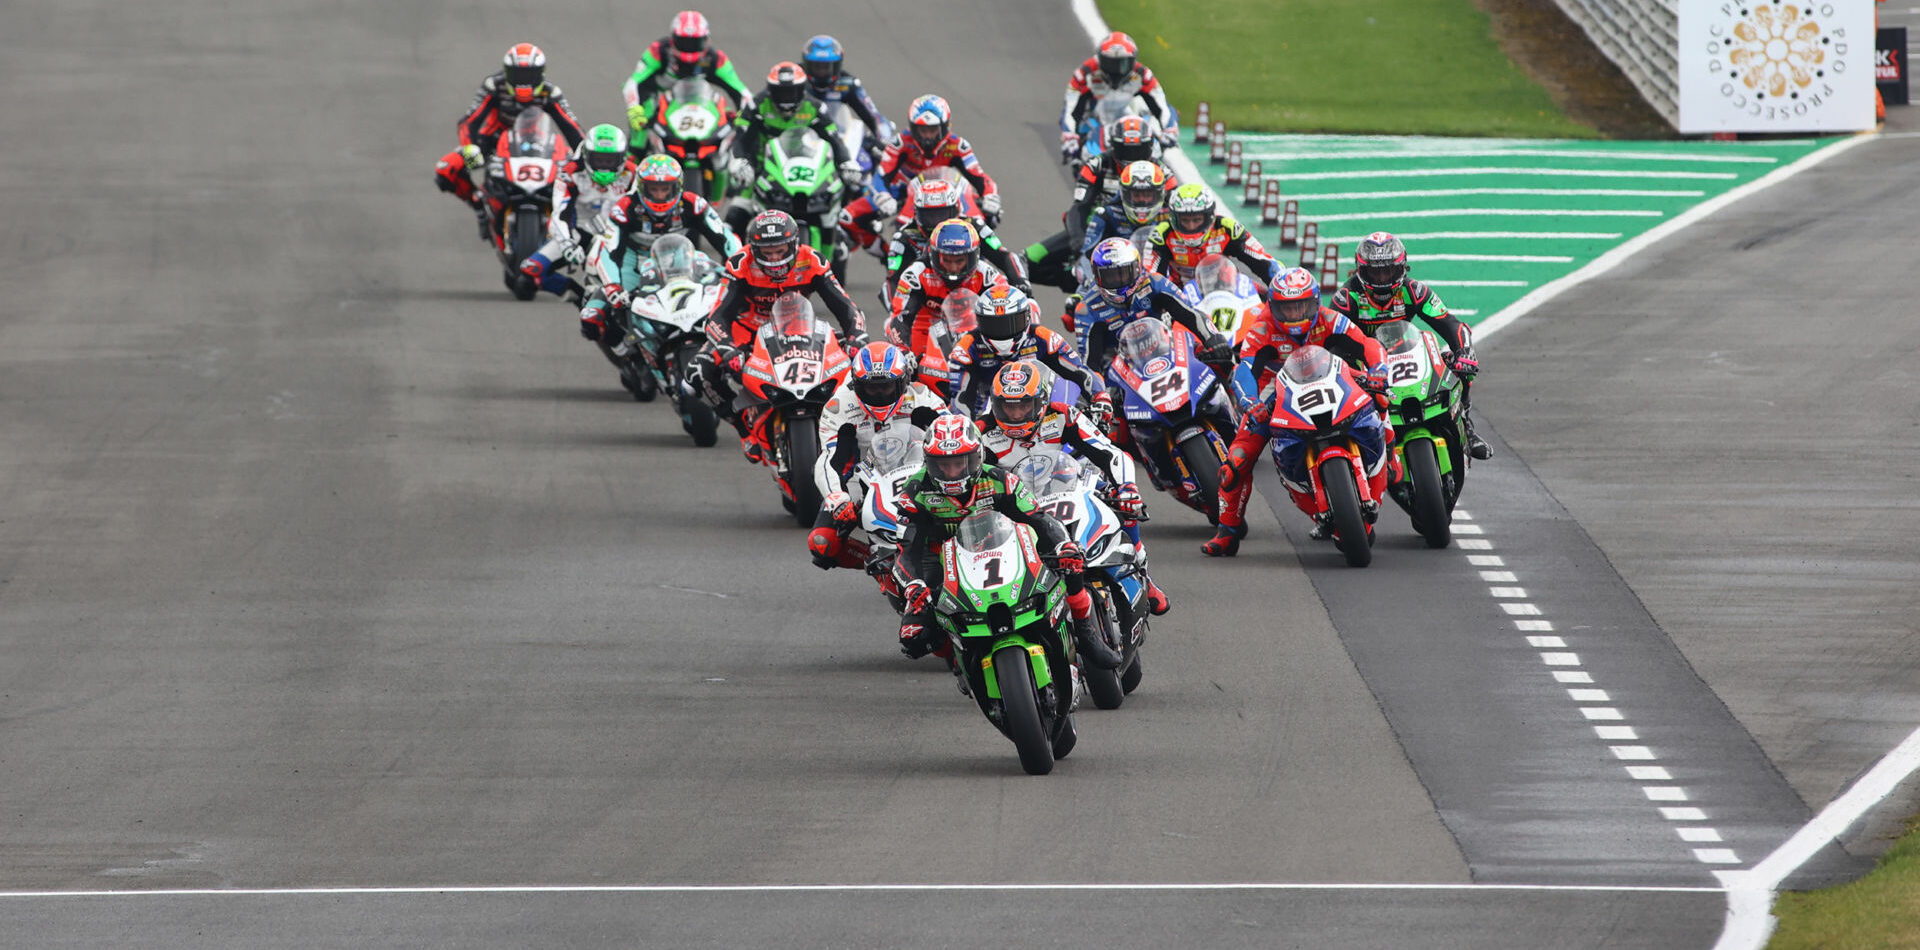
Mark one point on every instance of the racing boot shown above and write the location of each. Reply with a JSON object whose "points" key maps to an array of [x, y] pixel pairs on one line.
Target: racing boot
{"points": [[1157, 602], [1231, 525], [752, 440], [483, 217], [1225, 541], [1476, 447], [1092, 646]]}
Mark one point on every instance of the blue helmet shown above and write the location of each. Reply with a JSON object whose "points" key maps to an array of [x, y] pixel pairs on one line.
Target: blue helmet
{"points": [[822, 60], [1116, 269], [953, 250]]}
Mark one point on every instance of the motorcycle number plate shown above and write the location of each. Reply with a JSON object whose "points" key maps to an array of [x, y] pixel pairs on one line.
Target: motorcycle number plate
{"points": [[796, 371], [1168, 390], [1314, 397], [692, 122], [1405, 368], [531, 174], [985, 570]]}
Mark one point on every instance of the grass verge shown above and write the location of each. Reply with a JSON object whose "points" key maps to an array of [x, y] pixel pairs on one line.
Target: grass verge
{"points": [[1387, 66], [1878, 912]]}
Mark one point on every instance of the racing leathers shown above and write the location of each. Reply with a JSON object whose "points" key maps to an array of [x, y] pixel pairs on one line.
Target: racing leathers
{"points": [[744, 306], [633, 230], [1064, 430], [916, 300], [1370, 432], [1415, 299], [847, 430], [1098, 320], [909, 246], [1110, 221], [492, 113], [580, 205], [656, 72], [975, 359], [1089, 85], [847, 90], [930, 517], [903, 162], [1176, 255], [762, 121], [1268, 344]]}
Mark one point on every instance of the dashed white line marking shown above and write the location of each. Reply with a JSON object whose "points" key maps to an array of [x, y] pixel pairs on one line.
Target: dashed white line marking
{"points": [[1560, 659], [1491, 213], [1601, 714], [1459, 528], [1520, 610], [1471, 544], [1498, 577], [1486, 560], [1507, 591], [1332, 154], [1699, 835], [1649, 773], [1633, 753], [1573, 676], [1683, 814], [1665, 793], [1547, 172], [1477, 283], [1616, 733], [1531, 626], [1716, 856], [1587, 695], [1547, 643], [1462, 192], [1460, 514]]}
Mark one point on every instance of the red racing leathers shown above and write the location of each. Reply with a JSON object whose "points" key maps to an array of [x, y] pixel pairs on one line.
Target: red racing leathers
{"points": [[917, 297], [493, 112], [903, 162]]}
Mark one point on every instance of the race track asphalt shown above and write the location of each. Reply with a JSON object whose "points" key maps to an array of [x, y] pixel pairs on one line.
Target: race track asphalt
{"points": [[323, 563]]}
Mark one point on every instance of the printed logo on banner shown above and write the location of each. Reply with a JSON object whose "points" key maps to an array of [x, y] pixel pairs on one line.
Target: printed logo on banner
{"points": [[1886, 65], [1775, 65]]}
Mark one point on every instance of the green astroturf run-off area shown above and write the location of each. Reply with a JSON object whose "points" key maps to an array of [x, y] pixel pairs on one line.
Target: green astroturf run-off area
{"points": [[1486, 221]]}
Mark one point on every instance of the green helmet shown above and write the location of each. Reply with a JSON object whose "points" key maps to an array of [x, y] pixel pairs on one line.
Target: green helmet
{"points": [[1192, 208], [604, 153]]}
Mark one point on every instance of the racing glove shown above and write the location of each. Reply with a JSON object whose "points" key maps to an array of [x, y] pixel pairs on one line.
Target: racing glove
{"points": [[884, 204], [851, 174], [616, 295], [1464, 363], [918, 598], [840, 507], [990, 205], [1069, 146], [1100, 410], [1127, 502], [741, 171], [1067, 558], [472, 156], [592, 325]]}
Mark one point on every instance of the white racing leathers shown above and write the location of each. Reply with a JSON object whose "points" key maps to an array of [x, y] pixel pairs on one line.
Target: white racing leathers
{"points": [[1063, 430], [844, 412], [579, 211]]}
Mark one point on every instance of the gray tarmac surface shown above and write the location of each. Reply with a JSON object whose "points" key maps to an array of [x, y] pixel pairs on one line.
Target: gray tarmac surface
{"points": [[323, 562]]}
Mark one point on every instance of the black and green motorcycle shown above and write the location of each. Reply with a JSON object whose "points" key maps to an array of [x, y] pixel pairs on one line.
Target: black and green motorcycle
{"points": [[1425, 402], [1006, 615]]}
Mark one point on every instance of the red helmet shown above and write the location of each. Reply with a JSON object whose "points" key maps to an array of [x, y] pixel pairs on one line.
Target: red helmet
{"points": [[1294, 300], [689, 37], [936, 200], [953, 454], [879, 378], [1130, 139], [1118, 53], [525, 70], [774, 241], [787, 87], [1019, 398]]}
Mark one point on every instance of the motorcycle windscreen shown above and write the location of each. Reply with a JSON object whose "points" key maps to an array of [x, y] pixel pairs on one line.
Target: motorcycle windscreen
{"points": [[533, 135], [1400, 336], [890, 453], [1307, 364], [1142, 341], [1215, 274], [984, 531], [673, 257]]}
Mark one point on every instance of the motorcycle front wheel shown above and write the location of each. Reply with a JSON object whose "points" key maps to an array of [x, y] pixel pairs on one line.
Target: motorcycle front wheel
{"points": [[1430, 515], [1020, 710], [1197, 452], [803, 447], [1104, 685], [1343, 504], [526, 239]]}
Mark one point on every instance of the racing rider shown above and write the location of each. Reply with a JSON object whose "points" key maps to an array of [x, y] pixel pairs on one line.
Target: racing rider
{"points": [[930, 144], [1195, 228], [1008, 329], [1380, 292], [1112, 72], [954, 264], [599, 172], [952, 484], [880, 396], [937, 200], [781, 106], [1124, 292], [829, 82], [521, 82], [655, 206], [682, 54]]}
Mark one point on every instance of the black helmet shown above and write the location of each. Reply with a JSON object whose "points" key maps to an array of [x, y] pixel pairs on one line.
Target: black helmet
{"points": [[787, 87], [774, 240], [1381, 264]]}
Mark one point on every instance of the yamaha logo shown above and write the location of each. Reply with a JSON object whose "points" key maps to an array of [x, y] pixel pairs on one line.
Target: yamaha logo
{"points": [[1776, 61]]}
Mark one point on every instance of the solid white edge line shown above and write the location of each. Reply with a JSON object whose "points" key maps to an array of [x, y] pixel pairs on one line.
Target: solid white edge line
{"points": [[1750, 920], [1632, 246], [841, 888]]}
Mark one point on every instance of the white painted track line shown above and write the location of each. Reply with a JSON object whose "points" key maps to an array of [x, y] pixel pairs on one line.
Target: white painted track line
{"points": [[1620, 156], [839, 888], [1492, 212], [1475, 235], [1455, 192], [1503, 170]]}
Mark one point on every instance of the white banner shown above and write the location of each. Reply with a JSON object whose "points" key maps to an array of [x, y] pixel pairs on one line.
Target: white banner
{"points": [[1773, 66]]}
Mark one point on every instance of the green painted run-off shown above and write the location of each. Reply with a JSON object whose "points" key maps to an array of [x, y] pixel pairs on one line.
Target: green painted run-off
{"points": [[1487, 220]]}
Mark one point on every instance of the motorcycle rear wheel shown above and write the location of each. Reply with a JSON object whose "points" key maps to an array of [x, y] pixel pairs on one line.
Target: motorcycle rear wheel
{"points": [[1020, 710], [1430, 515], [1343, 503]]}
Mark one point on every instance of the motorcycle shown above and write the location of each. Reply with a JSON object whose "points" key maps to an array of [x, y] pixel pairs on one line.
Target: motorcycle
{"points": [[1094, 125], [956, 320], [693, 122], [1067, 489], [667, 326], [1225, 295], [1179, 417], [1318, 399], [885, 466], [797, 175], [1005, 614], [520, 180], [796, 364], [1424, 409]]}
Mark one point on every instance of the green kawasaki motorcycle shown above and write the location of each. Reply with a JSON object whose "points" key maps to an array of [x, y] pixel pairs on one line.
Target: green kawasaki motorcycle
{"points": [[1006, 614], [1424, 407]]}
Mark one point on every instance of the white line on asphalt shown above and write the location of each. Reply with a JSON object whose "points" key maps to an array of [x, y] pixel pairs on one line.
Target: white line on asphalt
{"points": [[1601, 714], [1485, 560], [1498, 577], [1573, 676], [1510, 258], [1649, 773], [1547, 643], [1520, 610], [1493, 212], [1468, 529], [1475, 283], [1533, 625], [1665, 793], [1632, 246], [1507, 591], [1249, 150], [1616, 733], [842, 888], [1452, 192], [1586, 695], [1460, 514], [1633, 753], [1501, 170], [1716, 856], [1559, 659], [1473, 544], [1698, 835], [1683, 814], [1477, 235], [1749, 920], [1463, 313]]}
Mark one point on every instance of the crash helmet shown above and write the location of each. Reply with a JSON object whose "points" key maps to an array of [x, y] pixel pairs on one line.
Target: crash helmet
{"points": [[1116, 269], [774, 241], [690, 36], [658, 183], [1143, 191], [1294, 301], [1003, 316], [953, 454], [936, 200], [524, 71], [1019, 398], [604, 153], [1193, 210], [823, 59], [880, 375], [953, 251], [929, 118], [1132, 138], [786, 87], [1117, 55], [1381, 264]]}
